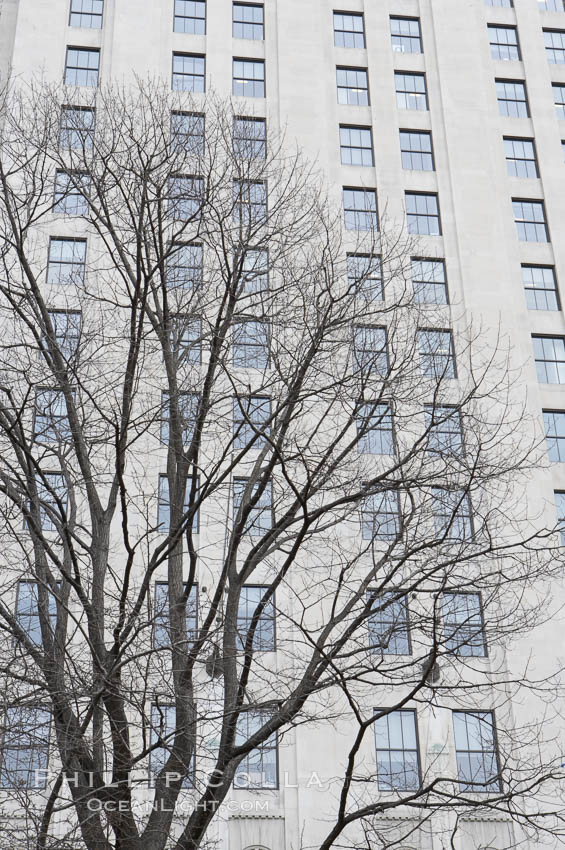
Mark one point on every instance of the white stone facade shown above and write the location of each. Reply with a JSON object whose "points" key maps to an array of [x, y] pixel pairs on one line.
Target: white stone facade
{"points": [[479, 242]]}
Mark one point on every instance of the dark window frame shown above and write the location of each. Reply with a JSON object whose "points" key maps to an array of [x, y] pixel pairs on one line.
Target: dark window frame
{"points": [[62, 262], [397, 627], [456, 626], [191, 81], [349, 94], [515, 159], [90, 73], [268, 615], [194, 28], [521, 105], [258, 26], [345, 32], [418, 96], [425, 284], [258, 84], [541, 289], [386, 713], [96, 19], [408, 38], [512, 48], [464, 785]]}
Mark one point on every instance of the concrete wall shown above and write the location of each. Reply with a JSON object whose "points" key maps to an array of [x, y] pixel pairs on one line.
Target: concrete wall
{"points": [[479, 240]]}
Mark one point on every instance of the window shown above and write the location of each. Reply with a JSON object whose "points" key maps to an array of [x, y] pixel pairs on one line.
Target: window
{"points": [[554, 422], [248, 78], [255, 271], [185, 266], [248, 21], [86, 13], [51, 423], [250, 344], [186, 196], [250, 202], [405, 34], [507, 4], [410, 91], [520, 157], [189, 72], [398, 765], [503, 42], [77, 127], [67, 325], [25, 747], [512, 98], [555, 45], [52, 495], [549, 354], [416, 150], [475, 749], [375, 429], [187, 404], [250, 598], [71, 193], [190, 16], [529, 216], [370, 349], [540, 287], [560, 510], [360, 209], [356, 145], [259, 768], [429, 281], [352, 86], [163, 729], [164, 505], [551, 5], [365, 276], [437, 359], [259, 516], [27, 611], [186, 338], [251, 415], [444, 431], [463, 627], [187, 132], [380, 516], [161, 625], [67, 260], [453, 519], [559, 98], [563, 149], [422, 214], [250, 138], [349, 30], [82, 66], [388, 625]]}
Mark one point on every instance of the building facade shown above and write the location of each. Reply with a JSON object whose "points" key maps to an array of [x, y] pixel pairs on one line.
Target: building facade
{"points": [[448, 115]]}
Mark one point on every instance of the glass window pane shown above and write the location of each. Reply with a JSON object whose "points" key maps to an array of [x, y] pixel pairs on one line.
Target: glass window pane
{"points": [[398, 766], [163, 727], [405, 35], [248, 78], [429, 281], [352, 86], [82, 66], [190, 16], [349, 30], [248, 21], [86, 13], [189, 72]]}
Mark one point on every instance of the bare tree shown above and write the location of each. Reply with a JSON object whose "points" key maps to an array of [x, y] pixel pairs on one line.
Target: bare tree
{"points": [[221, 412]]}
